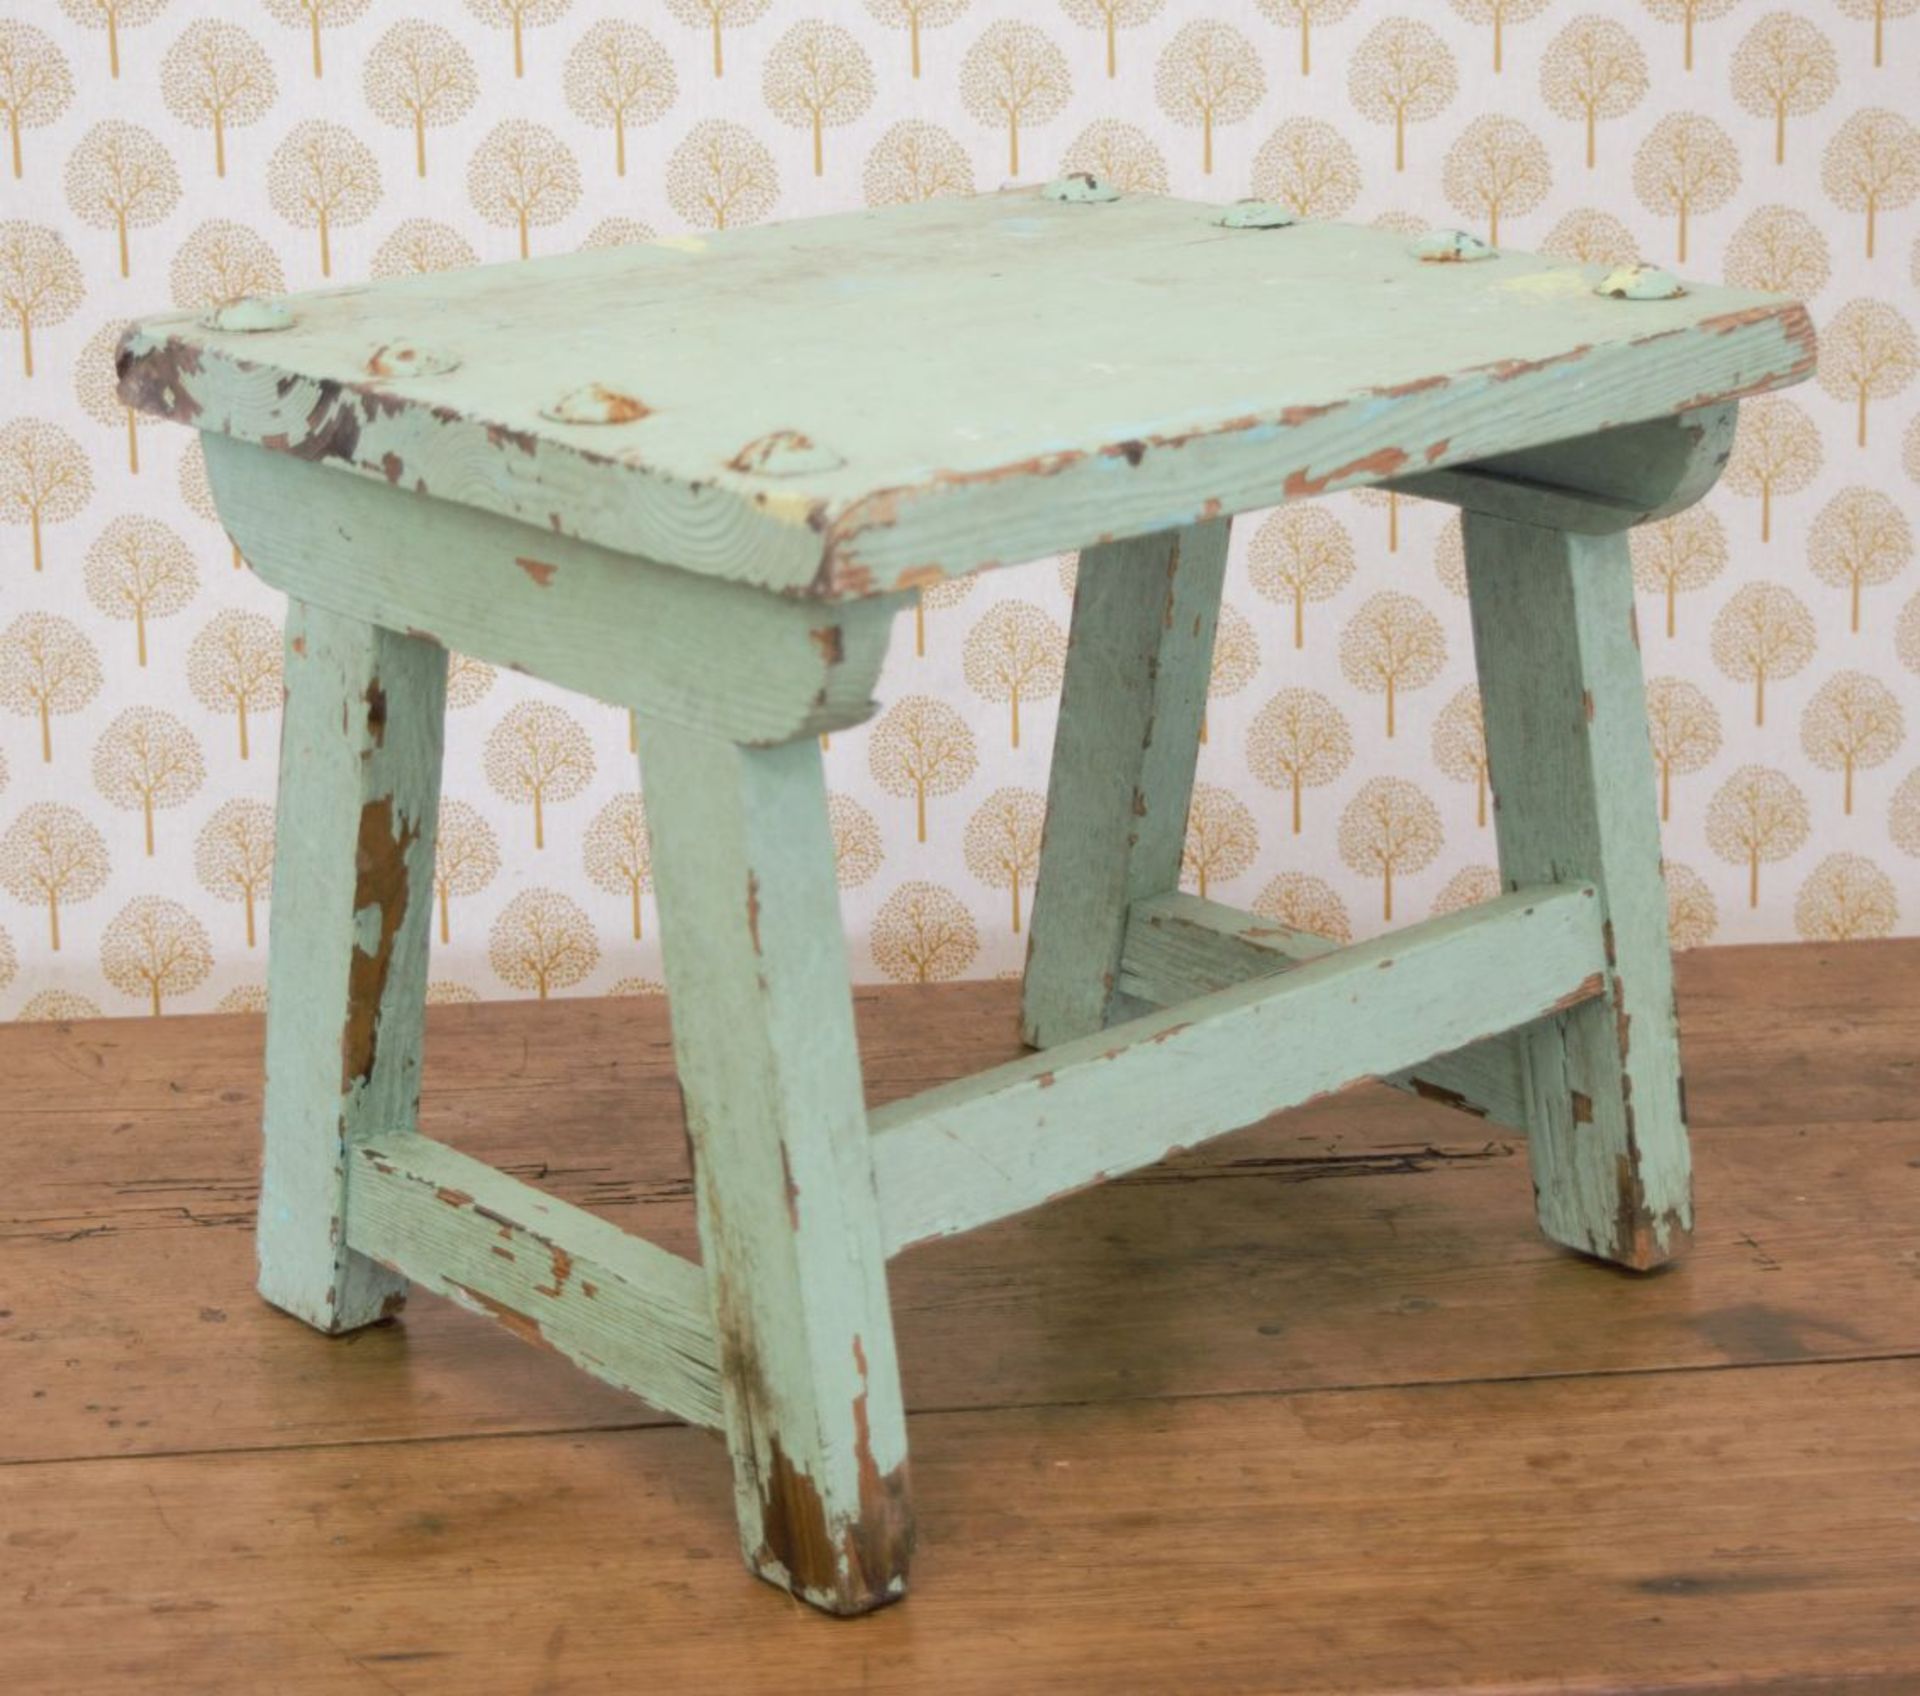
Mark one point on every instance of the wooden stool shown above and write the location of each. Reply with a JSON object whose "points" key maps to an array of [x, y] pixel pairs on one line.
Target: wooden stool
{"points": [[699, 478]]}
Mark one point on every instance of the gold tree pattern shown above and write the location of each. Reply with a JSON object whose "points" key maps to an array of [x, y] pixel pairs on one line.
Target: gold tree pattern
{"points": [[47, 666], [1872, 162], [1859, 538], [234, 666], [1685, 728], [1450, 557], [1779, 250], [96, 386], [914, 16], [1222, 838], [948, 592], [52, 1005], [916, 161], [222, 260], [196, 493], [147, 760], [1236, 657], [1460, 745], [1687, 13], [52, 856], [420, 245], [113, 16], [617, 75], [1776, 451], [1845, 897], [1305, 902], [39, 281], [1496, 165], [1758, 816], [468, 680], [1119, 153], [1783, 66], [1309, 167], [517, 17], [1686, 166], [1299, 740], [1764, 632], [1593, 69], [1002, 842], [35, 84], [617, 232], [1879, 11], [921, 747], [1014, 75], [522, 176], [1300, 553], [542, 941], [323, 177], [1903, 814], [618, 852], [420, 77], [217, 77], [1402, 73], [1498, 14], [139, 568], [1389, 829], [155, 948], [717, 16], [1208, 75], [857, 848], [1853, 723], [1867, 352], [120, 178], [1588, 236], [466, 857], [1906, 635], [721, 177], [537, 754], [817, 76], [1392, 644], [233, 856], [314, 16], [1687, 551], [44, 478], [1014, 654], [1692, 913], [1468, 887], [923, 934], [1303, 15]]}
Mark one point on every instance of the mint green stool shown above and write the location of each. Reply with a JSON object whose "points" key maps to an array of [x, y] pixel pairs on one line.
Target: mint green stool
{"points": [[699, 479]]}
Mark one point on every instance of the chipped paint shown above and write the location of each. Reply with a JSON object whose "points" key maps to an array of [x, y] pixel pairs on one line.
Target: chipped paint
{"points": [[595, 403], [784, 453], [381, 885], [540, 570]]}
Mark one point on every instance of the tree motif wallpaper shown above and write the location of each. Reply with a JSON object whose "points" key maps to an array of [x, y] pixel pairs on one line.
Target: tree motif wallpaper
{"points": [[168, 152]]}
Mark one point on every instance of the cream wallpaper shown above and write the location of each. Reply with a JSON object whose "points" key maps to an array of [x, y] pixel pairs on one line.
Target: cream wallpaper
{"points": [[163, 152]]}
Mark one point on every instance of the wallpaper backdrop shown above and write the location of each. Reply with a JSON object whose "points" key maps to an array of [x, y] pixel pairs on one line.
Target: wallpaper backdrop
{"points": [[166, 152]]}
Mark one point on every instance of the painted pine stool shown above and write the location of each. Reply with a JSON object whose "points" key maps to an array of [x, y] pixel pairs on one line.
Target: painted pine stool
{"points": [[700, 478]]}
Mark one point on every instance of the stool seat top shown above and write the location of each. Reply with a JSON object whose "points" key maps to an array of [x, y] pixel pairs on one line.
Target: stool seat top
{"points": [[872, 401]]}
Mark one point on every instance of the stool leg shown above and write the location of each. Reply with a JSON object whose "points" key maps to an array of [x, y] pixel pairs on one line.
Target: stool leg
{"points": [[1574, 797], [1138, 657], [347, 945], [789, 1221]]}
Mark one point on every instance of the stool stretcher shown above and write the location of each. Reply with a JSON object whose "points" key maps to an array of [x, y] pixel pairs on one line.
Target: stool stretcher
{"points": [[1013, 1137], [630, 1313]]}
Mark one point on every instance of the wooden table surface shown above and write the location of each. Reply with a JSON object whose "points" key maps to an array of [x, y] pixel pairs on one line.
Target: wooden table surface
{"points": [[858, 403], [1312, 1410]]}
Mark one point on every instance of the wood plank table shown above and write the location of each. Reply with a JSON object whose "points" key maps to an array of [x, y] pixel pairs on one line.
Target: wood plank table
{"points": [[699, 478]]}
